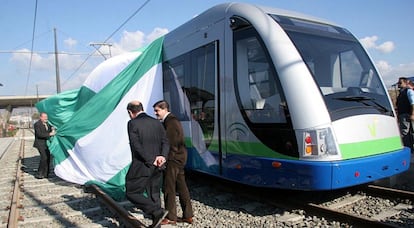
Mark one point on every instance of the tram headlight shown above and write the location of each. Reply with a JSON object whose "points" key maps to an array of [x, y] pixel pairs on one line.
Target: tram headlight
{"points": [[318, 144]]}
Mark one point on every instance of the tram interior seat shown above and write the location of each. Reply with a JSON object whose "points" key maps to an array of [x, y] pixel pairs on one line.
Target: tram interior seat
{"points": [[259, 103], [330, 90]]}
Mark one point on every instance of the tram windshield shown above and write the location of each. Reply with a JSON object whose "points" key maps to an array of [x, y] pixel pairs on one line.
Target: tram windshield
{"points": [[340, 66]]}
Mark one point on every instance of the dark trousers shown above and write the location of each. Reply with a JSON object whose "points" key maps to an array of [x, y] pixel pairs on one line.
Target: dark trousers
{"points": [[144, 193], [406, 128], [43, 170], [174, 182]]}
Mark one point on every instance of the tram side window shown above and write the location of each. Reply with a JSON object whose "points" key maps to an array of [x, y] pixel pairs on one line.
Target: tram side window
{"points": [[189, 86], [173, 83], [202, 88], [258, 93]]}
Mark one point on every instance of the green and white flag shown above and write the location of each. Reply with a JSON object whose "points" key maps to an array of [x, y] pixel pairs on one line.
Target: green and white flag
{"points": [[91, 144]]}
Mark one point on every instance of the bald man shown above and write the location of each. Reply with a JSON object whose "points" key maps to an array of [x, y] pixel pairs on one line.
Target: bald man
{"points": [[149, 147]]}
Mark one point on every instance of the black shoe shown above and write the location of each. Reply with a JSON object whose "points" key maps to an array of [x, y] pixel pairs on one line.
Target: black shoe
{"points": [[39, 177], [156, 222]]}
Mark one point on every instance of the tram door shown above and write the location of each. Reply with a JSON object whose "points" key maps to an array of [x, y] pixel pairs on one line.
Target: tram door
{"points": [[190, 88], [259, 96]]}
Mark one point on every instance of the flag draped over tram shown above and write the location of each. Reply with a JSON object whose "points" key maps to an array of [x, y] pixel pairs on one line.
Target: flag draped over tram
{"points": [[91, 145]]}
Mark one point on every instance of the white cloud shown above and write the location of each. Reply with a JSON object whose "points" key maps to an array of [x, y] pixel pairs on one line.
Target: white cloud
{"points": [[383, 66], [134, 40], [390, 74], [73, 68], [70, 62], [22, 59], [128, 42], [156, 33], [386, 47], [43, 70], [371, 43], [74, 82], [70, 43]]}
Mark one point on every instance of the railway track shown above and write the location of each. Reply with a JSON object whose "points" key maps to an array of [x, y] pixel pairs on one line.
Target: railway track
{"points": [[373, 205], [29, 202], [52, 202], [348, 209], [361, 206]]}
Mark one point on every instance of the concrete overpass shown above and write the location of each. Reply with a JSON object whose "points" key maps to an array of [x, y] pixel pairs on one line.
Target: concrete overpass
{"points": [[10, 102]]}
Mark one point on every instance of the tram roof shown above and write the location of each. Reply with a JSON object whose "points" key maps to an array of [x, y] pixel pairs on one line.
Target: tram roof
{"points": [[219, 12], [222, 9]]}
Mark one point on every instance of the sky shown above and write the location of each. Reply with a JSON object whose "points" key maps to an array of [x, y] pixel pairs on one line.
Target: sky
{"points": [[29, 27]]}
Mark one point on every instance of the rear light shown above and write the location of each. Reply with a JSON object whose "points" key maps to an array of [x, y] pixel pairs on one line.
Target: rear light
{"points": [[276, 164], [318, 144]]}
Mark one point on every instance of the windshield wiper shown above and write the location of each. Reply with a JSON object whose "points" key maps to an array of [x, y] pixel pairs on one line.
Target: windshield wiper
{"points": [[354, 98], [362, 99]]}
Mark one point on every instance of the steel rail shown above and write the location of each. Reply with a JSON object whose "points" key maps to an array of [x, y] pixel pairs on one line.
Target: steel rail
{"points": [[14, 216], [126, 217], [389, 192], [345, 217]]}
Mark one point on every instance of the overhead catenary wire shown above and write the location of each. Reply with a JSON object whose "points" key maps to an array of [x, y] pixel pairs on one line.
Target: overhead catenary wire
{"points": [[45, 52], [109, 37], [30, 40], [17, 50], [31, 49]]}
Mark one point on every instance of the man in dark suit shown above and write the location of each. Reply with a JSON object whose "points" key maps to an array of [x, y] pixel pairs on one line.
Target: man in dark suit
{"points": [[149, 148], [405, 110], [174, 178], [43, 131]]}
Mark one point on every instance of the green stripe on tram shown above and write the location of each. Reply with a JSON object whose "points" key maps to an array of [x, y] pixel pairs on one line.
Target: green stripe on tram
{"points": [[368, 148]]}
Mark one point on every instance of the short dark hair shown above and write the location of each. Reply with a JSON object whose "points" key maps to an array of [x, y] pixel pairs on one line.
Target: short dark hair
{"points": [[162, 104], [403, 79], [135, 107]]}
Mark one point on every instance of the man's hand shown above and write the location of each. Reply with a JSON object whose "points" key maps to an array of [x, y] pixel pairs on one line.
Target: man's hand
{"points": [[159, 161], [53, 132]]}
